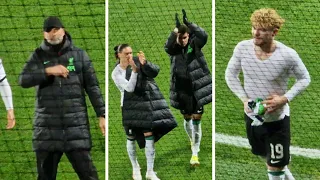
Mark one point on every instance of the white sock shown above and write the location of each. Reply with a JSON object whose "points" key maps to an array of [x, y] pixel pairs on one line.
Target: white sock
{"points": [[276, 175], [150, 153], [196, 137], [131, 149], [188, 128], [288, 174]]}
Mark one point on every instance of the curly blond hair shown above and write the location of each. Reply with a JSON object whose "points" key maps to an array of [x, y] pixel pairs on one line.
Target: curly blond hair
{"points": [[266, 18]]}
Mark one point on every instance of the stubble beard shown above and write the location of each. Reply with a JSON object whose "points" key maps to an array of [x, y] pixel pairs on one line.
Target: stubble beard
{"points": [[55, 41]]}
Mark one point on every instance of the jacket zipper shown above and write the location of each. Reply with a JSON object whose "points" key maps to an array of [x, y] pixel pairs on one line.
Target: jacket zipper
{"points": [[185, 59], [61, 114], [61, 109], [175, 65]]}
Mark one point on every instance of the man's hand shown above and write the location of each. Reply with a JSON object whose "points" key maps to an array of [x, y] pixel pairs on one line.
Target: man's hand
{"points": [[57, 70], [102, 125], [274, 102], [141, 57], [185, 19], [11, 119]]}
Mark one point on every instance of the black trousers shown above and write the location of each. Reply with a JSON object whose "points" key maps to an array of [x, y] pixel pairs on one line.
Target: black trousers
{"points": [[47, 164]]}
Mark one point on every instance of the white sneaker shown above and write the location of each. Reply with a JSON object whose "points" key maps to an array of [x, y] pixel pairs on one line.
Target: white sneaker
{"points": [[194, 161], [151, 175], [136, 174]]}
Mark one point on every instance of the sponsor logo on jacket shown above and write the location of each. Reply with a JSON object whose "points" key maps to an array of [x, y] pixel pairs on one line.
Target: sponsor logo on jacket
{"points": [[189, 49], [71, 66]]}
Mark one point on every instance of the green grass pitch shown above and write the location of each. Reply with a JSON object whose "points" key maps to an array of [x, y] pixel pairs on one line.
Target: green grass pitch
{"points": [[146, 26], [300, 32], [21, 32]]}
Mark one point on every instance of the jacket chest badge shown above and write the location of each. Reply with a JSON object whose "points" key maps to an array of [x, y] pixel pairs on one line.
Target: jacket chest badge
{"points": [[189, 49], [71, 67]]}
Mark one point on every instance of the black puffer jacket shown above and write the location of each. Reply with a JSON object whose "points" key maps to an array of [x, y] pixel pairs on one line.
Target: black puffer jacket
{"points": [[146, 107], [61, 118], [197, 69]]}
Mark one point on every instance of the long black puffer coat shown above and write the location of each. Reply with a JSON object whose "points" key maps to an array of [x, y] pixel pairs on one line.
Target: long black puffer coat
{"points": [[61, 118], [146, 107], [197, 69]]}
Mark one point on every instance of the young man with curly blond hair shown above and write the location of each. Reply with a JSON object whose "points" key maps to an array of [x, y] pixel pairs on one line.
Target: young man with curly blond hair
{"points": [[267, 65]]}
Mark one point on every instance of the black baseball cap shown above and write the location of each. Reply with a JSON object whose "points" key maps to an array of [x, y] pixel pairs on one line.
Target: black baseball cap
{"points": [[52, 22]]}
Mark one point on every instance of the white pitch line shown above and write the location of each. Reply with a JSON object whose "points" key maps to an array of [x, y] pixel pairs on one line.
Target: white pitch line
{"points": [[243, 142]]}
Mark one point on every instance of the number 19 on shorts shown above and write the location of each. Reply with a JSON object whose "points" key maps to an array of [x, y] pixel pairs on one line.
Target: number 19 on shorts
{"points": [[276, 151]]}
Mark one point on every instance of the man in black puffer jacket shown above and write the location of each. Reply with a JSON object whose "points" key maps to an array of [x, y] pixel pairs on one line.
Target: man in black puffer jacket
{"points": [[62, 73], [191, 81]]}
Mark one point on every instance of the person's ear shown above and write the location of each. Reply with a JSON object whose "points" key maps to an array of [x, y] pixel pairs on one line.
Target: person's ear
{"points": [[119, 55], [275, 32], [64, 31], [45, 35]]}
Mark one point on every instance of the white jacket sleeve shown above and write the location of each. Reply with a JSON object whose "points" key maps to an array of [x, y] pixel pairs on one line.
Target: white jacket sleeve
{"points": [[122, 83], [6, 94], [302, 77], [232, 76], [5, 89]]}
